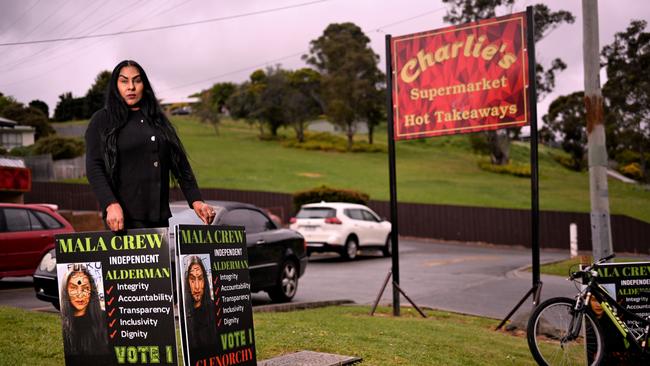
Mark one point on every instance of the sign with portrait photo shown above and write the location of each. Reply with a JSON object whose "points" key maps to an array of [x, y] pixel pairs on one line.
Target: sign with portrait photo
{"points": [[215, 299], [116, 298]]}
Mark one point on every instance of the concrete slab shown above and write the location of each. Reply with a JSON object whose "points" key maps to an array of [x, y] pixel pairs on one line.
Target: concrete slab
{"points": [[310, 358]]}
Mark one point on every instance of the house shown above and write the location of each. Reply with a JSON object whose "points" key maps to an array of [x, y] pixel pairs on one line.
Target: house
{"points": [[14, 135]]}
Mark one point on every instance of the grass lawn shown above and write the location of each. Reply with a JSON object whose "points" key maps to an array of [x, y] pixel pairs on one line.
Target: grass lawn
{"points": [[441, 170], [562, 268], [442, 339]]}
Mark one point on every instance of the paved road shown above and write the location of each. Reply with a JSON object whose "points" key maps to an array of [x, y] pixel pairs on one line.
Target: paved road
{"points": [[472, 279]]}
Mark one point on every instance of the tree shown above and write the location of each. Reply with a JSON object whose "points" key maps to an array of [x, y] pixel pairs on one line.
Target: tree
{"points": [[349, 73], [463, 11], [69, 108], [302, 102], [627, 89], [96, 95], [212, 103], [40, 105], [29, 116], [566, 120], [373, 110]]}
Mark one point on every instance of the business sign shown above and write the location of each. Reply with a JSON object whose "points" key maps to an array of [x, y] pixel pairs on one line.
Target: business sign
{"points": [[116, 298], [461, 79], [215, 299], [629, 285]]}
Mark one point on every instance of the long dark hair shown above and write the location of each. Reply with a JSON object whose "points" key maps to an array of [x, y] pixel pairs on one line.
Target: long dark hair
{"points": [[91, 337], [118, 113], [205, 299]]}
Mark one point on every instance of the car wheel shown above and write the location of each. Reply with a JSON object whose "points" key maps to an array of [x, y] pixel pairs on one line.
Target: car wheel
{"points": [[350, 249], [387, 250], [287, 284]]}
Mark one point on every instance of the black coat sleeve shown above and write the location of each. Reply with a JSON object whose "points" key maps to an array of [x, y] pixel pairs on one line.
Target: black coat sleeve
{"points": [[95, 168], [187, 181]]}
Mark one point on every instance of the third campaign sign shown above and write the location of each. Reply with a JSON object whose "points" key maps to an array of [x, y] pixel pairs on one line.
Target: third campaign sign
{"points": [[215, 299], [461, 79]]}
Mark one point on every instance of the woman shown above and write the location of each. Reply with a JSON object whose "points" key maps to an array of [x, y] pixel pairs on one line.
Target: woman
{"points": [[201, 326], [131, 147], [84, 324]]}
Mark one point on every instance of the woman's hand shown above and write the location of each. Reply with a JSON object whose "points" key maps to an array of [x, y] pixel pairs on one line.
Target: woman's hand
{"points": [[115, 217], [204, 211]]}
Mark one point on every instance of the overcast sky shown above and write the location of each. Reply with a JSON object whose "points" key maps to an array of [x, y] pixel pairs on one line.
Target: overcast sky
{"points": [[250, 35]]}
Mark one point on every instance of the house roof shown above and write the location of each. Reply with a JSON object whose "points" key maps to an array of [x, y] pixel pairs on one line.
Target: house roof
{"points": [[4, 122]]}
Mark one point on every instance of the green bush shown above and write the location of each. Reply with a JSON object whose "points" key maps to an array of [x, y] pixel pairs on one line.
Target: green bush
{"points": [[22, 151], [568, 162], [479, 143], [327, 194], [632, 170], [325, 141], [627, 157], [59, 147], [518, 170]]}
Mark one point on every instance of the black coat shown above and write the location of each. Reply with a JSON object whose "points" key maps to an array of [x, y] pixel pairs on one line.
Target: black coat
{"points": [[143, 167]]}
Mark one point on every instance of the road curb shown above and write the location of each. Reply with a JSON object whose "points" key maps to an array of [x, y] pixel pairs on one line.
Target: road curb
{"points": [[292, 306]]}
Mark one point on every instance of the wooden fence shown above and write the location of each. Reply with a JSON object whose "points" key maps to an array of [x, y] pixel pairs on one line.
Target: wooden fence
{"points": [[461, 223]]}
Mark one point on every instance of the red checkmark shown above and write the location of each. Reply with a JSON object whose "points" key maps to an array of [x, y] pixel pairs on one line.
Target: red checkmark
{"points": [[109, 290], [215, 280], [216, 291], [110, 313], [111, 300], [113, 334], [217, 302], [112, 323], [219, 312], [219, 322]]}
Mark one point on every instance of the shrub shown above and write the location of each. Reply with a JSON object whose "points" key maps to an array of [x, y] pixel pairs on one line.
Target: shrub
{"points": [[518, 170], [327, 194], [325, 141], [627, 157], [633, 171], [479, 143], [568, 162], [59, 147], [22, 151]]}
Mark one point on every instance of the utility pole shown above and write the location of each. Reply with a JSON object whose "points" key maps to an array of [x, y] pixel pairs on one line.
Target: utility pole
{"points": [[601, 235]]}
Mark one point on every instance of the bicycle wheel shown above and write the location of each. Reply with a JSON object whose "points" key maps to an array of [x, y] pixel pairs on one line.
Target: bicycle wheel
{"points": [[547, 332]]}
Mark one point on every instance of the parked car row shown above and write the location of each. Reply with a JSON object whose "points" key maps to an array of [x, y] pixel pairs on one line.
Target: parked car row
{"points": [[277, 256]]}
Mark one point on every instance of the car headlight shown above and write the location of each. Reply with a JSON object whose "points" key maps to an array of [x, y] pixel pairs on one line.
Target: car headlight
{"points": [[48, 263]]}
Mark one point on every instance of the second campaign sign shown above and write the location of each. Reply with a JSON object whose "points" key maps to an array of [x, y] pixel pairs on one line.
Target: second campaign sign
{"points": [[116, 298], [215, 304]]}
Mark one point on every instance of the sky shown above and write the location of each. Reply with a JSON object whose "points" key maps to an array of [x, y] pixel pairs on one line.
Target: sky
{"points": [[233, 38]]}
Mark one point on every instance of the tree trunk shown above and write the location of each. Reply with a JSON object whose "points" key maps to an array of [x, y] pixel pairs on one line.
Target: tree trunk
{"points": [[370, 132], [350, 133], [499, 147], [300, 132]]}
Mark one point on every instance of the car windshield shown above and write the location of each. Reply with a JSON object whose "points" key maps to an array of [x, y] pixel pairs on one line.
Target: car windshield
{"points": [[316, 213]]}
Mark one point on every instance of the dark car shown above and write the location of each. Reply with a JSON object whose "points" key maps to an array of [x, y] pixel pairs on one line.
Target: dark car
{"points": [[27, 235], [277, 257]]}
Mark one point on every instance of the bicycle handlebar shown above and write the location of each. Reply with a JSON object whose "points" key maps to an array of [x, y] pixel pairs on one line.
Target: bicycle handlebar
{"points": [[588, 269]]}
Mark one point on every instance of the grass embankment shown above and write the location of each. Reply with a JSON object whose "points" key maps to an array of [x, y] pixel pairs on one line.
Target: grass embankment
{"points": [[441, 170], [30, 338], [564, 267]]}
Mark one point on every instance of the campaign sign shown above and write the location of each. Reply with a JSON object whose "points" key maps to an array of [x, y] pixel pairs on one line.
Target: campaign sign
{"points": [[629, 285], [215, 299], [116, 298], [461, 79]]}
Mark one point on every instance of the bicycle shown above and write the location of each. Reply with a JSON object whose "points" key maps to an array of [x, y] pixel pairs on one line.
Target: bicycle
{"points": [[563, 331]]}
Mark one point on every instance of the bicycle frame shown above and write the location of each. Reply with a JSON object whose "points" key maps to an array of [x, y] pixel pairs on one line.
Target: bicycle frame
{"points": [[617, 314]]}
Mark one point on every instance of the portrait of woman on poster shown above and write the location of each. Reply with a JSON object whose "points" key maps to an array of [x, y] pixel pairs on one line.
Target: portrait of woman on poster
{"points": [[131, 149], [201, 326], [84, 323]]}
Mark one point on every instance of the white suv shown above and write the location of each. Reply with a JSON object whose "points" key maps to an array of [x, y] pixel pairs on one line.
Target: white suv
{"points": [[342, 227]]}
